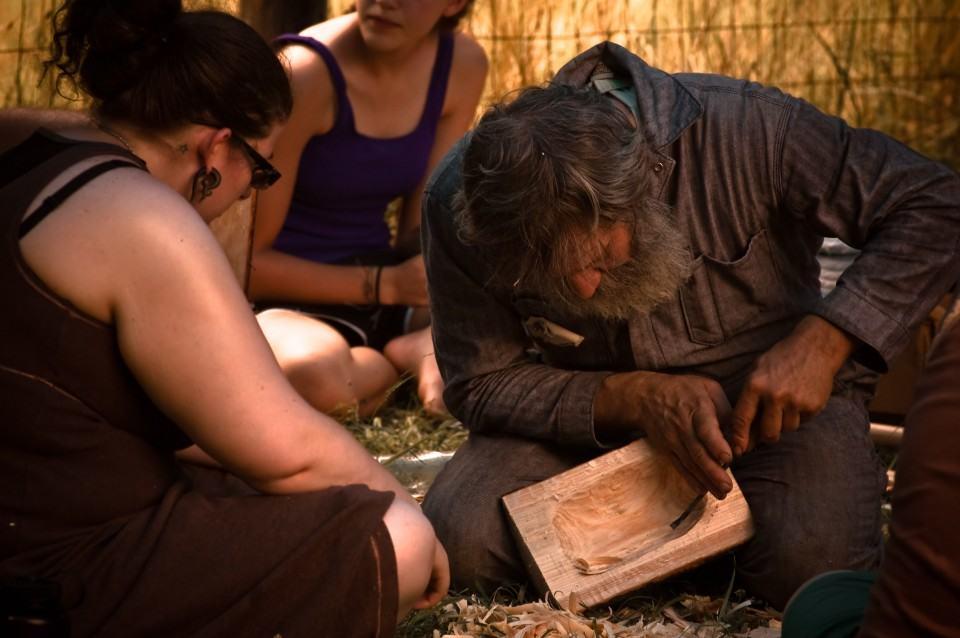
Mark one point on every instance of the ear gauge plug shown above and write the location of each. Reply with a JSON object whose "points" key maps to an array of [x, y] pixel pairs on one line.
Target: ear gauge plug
{"points": [[204, 183]]}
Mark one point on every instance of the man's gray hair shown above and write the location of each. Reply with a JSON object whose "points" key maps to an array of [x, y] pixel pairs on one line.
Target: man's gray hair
{"points": [[545, 168]]}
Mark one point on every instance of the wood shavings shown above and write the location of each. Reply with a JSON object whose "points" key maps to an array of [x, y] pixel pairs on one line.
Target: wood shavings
{"points": [[597, 564], [540, 620], [471, 618]]}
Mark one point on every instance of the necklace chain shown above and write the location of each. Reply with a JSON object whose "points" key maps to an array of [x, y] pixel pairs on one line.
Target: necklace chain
{"points": [[111, 132]]}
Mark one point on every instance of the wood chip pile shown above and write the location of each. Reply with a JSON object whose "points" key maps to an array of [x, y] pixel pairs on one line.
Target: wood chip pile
{"points": [[689, 617]]}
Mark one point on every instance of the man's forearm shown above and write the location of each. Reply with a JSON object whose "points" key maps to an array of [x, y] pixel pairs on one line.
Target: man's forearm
{"points": [[833, 345], [530, 400], [615, 407]]}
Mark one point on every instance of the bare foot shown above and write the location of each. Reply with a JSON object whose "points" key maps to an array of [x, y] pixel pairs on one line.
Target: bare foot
{"points": [[430, 386], [413, 353]]}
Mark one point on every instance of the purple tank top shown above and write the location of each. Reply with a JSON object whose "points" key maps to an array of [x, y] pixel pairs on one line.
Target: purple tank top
{"points": [[346, 179]]}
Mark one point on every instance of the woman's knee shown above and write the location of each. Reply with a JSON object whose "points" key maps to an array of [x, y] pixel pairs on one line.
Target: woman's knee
{"points": [[322, 366], [295, 337], [408, 351], [374, 374], [414, 545]]}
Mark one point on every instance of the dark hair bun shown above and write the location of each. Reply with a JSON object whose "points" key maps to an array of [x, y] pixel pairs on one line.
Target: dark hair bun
{"points": [[95, 34], [121, 26], [149, 63]]}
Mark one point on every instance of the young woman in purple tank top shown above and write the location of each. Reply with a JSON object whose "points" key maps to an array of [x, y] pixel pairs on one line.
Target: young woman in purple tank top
{"points": [[380, 95]]}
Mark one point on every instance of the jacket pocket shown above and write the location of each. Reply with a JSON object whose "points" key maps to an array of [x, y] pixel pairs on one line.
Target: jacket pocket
{"points": [[724, 298]]}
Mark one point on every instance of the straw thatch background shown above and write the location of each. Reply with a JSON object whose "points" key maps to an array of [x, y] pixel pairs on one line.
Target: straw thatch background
{"points": [[892, 65]]}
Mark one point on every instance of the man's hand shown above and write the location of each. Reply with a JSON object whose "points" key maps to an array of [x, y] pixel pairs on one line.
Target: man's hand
{"points": [[680, 414], [790, 383]]}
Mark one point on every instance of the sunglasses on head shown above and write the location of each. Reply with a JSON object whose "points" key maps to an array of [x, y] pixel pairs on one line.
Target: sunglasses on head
{"points": [[263, 174]]}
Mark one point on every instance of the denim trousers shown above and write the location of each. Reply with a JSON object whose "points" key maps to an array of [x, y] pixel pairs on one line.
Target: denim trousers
{"points": [[814, 497]]}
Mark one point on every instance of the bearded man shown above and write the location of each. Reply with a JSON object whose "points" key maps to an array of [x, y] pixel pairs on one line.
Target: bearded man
{"points": [[629, 253]]}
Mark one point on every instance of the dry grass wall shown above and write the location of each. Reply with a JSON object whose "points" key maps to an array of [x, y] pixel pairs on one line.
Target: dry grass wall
{"points": [[891, 65], [25, 35]]}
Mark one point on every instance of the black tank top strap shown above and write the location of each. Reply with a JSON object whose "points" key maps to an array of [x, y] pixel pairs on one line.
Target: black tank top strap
{"points": [[53, 201]]}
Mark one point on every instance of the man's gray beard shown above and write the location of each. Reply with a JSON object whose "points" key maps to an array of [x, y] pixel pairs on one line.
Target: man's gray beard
{"points": [[661, 263]]}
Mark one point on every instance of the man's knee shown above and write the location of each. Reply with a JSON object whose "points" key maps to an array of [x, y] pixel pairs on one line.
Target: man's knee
{"points": [[476, 536], [779, 559], [482, 557], [465, 508], [815, 499]]}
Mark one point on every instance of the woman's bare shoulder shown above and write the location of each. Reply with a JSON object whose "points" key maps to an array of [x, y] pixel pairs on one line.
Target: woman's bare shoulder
{"points": [[121, 198], [468, 55], [468, 72], [107, 235], [136, 197], [131, 208], [330, 30], [304, 60], [310, 76], [470, 64]]}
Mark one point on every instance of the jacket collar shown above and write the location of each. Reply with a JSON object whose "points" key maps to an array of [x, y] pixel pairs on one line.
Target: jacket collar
{"points": [[666, 106]]}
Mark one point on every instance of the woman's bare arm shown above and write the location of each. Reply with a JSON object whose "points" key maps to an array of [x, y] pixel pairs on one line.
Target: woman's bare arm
{"points": [[133, 253], [468, 73]]}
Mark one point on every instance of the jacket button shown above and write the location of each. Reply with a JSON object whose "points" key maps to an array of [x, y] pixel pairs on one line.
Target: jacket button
{"points": [[658, 167]]}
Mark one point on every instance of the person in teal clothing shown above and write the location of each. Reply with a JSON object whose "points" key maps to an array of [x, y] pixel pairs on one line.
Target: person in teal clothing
{"points": [[380, 95]]}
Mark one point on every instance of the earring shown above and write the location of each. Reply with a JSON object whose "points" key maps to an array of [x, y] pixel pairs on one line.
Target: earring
{"points": [[204, 182]]}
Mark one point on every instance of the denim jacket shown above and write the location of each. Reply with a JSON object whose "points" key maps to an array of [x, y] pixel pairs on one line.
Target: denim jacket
{"points": [[756, 179]]}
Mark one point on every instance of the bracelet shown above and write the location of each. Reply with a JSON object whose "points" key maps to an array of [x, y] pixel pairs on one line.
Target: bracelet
{"points": [[368, 285], [376, 285]]}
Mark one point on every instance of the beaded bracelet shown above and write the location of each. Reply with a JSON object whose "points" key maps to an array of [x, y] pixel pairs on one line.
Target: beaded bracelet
{"points": [[376, 285], [368, 277]]}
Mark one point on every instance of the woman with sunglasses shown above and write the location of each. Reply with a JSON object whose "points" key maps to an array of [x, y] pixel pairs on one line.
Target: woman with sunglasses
{"points": [[380, 96], [125, 339]]}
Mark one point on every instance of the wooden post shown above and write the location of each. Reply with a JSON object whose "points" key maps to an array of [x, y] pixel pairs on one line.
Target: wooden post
{"points": [[604, 528], [883, 434], [234, 230]]}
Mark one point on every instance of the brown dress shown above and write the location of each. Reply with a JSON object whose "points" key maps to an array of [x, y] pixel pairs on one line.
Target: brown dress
{"points": [[917, 593], [92, 498]]}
